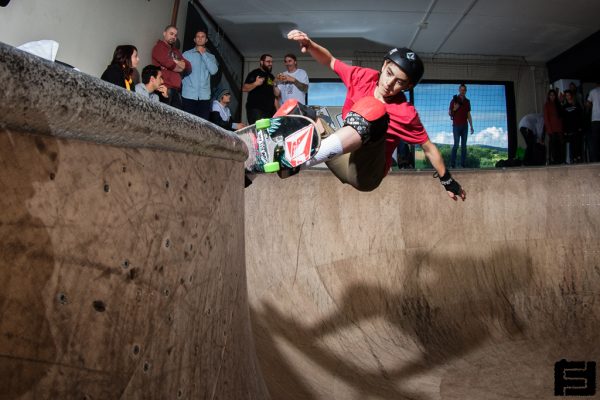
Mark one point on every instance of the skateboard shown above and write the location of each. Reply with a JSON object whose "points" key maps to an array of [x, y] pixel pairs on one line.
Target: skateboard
{"points": [[283, 142]]}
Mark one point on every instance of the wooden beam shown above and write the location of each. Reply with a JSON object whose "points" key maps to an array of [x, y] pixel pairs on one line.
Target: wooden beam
{"points": [[175, 12]]}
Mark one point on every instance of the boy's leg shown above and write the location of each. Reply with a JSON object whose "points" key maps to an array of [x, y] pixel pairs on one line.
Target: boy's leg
{"points": [[356, 152], [363, 169]]}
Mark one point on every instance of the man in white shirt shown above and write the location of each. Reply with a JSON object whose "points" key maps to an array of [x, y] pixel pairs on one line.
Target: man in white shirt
{"points": [[593, 101], [532, 129], [292, 83]]}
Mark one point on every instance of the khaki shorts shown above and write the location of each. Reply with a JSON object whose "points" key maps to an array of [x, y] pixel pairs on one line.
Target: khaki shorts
{"points": [[364, 169]]}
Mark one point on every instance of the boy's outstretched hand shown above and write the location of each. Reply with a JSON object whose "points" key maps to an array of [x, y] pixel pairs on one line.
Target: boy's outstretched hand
{"points": [[452, 187], [300, 37]]}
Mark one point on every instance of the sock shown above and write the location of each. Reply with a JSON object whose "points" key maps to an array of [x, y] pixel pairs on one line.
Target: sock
{"points": [[331, 147]]}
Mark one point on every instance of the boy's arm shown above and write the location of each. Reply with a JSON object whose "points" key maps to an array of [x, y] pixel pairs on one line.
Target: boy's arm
{"points": [[318, 52], [434, 156], [452, 187]]}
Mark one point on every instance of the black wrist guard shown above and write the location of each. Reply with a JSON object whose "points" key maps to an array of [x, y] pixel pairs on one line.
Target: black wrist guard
{"points": [[450, 184]]}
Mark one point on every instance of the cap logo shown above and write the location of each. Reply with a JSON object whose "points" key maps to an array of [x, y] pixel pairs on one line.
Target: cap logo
{"points": [[410, 56]]}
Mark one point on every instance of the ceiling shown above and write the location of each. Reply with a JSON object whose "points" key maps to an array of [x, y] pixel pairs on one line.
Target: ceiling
{"points": [[536, 30]]}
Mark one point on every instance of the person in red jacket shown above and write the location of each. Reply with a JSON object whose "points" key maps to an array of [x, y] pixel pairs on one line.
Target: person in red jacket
{"points": [[121, 69], [460, 113], [553, 128], [376, 116], [172, 63]]}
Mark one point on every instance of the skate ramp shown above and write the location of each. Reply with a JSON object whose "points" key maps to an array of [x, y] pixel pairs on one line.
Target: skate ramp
{"points": [[121, 253], [404, 294]]}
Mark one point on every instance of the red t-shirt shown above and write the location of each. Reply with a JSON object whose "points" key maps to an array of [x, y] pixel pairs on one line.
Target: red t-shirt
{"points": [[460, 116], [404, 120]]}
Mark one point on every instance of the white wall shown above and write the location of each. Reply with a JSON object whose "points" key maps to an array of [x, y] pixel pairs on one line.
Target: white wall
{"points": [[89, 30]]}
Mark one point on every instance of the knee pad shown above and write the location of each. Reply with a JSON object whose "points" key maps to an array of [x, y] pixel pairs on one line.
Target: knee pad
{"points": [[369, 118]]}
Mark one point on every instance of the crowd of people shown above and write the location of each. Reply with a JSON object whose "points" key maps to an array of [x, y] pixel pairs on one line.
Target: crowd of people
{"points": [[569, 126], [375, 110], [183, 80], [377, 115]]}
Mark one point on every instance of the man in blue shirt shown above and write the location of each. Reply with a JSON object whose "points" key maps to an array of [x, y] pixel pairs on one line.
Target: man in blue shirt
{"points": [[196, 85]]}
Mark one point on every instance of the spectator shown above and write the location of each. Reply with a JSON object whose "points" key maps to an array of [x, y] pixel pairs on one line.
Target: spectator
{"points": [[172, 63], [196, 85], [531, 127], [593, 102], [576, 94], [553, 128], [259, 85], [293, 83], [573, 127], [460, 113], [221, 114], [120, 71], [404, 155], [152, 82]]}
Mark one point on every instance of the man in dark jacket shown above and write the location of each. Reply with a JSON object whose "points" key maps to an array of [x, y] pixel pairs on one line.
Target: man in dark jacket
{"points": [[172, 63]]}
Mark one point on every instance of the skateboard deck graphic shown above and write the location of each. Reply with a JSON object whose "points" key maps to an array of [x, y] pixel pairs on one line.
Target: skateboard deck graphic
{"points": [[278, 143]]}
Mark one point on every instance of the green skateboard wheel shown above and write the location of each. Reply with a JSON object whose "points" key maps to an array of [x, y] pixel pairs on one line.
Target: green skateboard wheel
{"points": [[271, 167], [263, 123]]}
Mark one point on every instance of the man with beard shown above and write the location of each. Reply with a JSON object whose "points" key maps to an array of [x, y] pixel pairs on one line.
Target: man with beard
{"points": [[172, 63], [261, 89], [377, 116]]}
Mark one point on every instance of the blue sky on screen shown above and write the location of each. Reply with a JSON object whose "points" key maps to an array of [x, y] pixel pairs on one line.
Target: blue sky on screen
{"points": [[488, 111], [488, 105], [326, 94]]}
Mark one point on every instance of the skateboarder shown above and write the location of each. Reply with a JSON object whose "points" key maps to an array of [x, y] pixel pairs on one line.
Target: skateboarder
{"points": [[377, 116]]}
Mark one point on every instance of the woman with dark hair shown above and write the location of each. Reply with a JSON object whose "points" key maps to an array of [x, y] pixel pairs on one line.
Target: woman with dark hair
{"points": [[121, 69], [553, 127]]}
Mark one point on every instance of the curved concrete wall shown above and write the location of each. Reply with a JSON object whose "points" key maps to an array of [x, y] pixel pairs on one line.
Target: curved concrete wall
{"points": [[403, 294], [122, 254]]}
